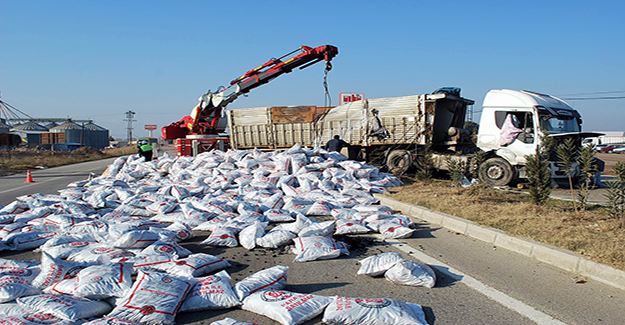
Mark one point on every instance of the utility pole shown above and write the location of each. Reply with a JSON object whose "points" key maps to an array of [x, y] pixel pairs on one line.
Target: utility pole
{"points": [[130, 118]]}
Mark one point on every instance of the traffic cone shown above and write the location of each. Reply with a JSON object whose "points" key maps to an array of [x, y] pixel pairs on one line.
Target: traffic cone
{"points": [[29, 178]]}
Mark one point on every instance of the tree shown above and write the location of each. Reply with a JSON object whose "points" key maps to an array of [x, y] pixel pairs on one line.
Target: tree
{"points": [[424, 163], [616, 193], [588, 168], [457, 170], [538, 171], [471, 126], [566, 156]]}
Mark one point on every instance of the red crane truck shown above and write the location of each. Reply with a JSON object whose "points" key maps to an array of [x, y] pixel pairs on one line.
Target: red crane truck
{"points": [[201, 131]]}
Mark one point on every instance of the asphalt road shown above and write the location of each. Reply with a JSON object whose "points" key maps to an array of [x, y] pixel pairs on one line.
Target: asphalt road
{"points": [[477, 283], [48, 181]]}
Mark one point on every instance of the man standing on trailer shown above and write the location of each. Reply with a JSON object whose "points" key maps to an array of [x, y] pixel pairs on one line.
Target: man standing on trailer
{"points": [[336, 144]]}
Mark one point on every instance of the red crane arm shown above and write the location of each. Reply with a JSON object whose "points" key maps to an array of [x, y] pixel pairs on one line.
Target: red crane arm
{"points": [[206, 114], [276, 67]]}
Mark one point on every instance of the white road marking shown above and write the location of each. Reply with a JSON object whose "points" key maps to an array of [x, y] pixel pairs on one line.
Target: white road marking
{"points": [[30, 184], [490, 292], [47, 180]]}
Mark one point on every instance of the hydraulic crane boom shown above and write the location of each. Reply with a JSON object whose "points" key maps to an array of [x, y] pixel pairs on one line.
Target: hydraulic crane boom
{"points": [[204, 117]]}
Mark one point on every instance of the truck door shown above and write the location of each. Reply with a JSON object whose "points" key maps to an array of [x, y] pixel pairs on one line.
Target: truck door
{"points": [[523, 141]]}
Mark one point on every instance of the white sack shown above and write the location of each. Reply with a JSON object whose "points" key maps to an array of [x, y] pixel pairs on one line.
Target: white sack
{"points": [[211, 292], [148, 262], [249, 235], [11, 309], [196, 265], [361, 311], [54, 270], [377, 264], [17, 285], [315, 248], [278, 215], [63, 251], [222, 236], [229, 321], [155, 298], [347, 227], [66, 239], [411, 273], [63, 306], [112, 321], [32, 319], [135, 239], [182, 230], [323, 229], [271, 278], [275, 238], [8, 265], [99, 254], [104, 281], [166, 247], [28, 241], [287, 308], [63, 287], [300, 223], [395, 230]]}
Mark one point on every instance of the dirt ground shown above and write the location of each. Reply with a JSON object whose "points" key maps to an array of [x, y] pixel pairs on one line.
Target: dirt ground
{"points": [[610, 159], [592, 232], [597, 195]]}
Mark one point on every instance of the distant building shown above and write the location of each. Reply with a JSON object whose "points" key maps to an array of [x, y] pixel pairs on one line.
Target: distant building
{"points": [[8, 140], [4, 128], [51, 125], [612, 133], [609, 137], [89, 134], [31, 131], [68, 135], [98, 136]]}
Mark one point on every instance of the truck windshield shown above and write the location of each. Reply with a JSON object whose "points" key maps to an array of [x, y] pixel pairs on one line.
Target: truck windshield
{"points": [[559, 124]]}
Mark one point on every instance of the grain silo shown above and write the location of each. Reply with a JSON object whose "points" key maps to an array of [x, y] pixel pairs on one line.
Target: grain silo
{"points": [[97, 137], [51, 125], [31, 131], [74, 133], [4, 128], [7, 139]]}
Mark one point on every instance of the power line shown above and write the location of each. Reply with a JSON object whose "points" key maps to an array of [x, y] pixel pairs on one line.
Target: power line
{"points": [[594, 98], [594, 93]]}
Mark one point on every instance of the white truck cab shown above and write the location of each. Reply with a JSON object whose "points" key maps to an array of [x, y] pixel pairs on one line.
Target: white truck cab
{"points": [[510, 126]]}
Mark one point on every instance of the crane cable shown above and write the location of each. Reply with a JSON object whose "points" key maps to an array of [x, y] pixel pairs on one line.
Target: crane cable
{"points": [[328, 98], [327, 103]]}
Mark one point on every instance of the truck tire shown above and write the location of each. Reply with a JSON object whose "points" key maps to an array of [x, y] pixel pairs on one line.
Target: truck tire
{"points": [[399, 161], [496, 171]]}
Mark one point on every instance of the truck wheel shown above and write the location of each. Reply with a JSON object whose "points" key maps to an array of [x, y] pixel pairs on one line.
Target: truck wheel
{"points": [[496, 172], [399, 161]]}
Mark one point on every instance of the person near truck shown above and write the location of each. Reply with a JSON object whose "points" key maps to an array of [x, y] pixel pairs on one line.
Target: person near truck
{"points": [[336, 144], [145, 149]]}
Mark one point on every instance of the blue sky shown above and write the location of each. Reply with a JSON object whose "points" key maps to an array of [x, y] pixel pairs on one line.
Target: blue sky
{"points": [[99, 59]]}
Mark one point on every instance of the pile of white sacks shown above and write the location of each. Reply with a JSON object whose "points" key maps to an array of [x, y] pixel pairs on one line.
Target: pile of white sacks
{"points": [[95, 234]]}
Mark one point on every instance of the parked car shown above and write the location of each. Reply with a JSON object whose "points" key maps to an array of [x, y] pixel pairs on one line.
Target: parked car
{"points": [[619, 149], [604, 148]]}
